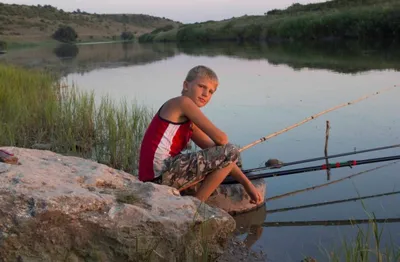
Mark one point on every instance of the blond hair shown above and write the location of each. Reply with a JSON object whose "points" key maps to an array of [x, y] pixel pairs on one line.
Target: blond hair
{"points": [[200, 71]]}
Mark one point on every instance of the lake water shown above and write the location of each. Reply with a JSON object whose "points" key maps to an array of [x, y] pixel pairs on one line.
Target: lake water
{"points": [[264, 89]]}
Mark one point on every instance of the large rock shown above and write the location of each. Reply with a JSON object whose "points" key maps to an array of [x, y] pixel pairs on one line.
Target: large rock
{"points": [[59, 208]]}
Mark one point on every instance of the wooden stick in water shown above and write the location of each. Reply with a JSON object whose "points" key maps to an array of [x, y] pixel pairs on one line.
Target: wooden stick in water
{"points": [[311, 118], [328, 171]]}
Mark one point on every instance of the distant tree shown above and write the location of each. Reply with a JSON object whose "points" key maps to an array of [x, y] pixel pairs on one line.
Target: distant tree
{"points": [[3, 45], [127, 35], [65, 34]]}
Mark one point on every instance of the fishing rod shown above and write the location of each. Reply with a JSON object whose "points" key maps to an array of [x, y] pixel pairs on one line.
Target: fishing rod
{"points": [[265, 138], [319, 158], [343, 222], [349, 163]]}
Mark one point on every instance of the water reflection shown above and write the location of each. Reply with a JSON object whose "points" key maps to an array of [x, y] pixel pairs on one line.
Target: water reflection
{"points": [[251, 223], [343, 57], [88, 57], [346, 57], [66, 51]]}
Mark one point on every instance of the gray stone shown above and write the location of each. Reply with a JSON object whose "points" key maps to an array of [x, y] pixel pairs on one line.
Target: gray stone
{"points": [[42, 146], [59, 208], [234, 199], [4, 167]]}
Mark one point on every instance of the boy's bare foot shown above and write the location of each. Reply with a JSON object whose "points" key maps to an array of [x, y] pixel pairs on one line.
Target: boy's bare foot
{"points": [[255, 196]]}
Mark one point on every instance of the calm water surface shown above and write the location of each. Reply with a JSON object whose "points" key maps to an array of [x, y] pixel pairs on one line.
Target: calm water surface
{"points": [[262, 90]]}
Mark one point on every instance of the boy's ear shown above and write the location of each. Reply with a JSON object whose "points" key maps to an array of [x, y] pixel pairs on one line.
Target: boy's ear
{"points": [[185, 86]]}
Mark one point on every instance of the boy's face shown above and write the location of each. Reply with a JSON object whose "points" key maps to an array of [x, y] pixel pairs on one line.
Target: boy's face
{"points": [[200, 90]]}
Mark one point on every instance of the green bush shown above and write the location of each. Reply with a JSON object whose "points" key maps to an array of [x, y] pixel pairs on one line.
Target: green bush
{"points": [[162, 29], [146, 38], [362, 24], [3, 45], [363, 20], [127, 36], [65, 34]]}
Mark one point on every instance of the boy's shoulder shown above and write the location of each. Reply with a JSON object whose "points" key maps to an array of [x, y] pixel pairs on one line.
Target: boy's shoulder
{"points": [[179, 99], [180, 108], [178, 102]]}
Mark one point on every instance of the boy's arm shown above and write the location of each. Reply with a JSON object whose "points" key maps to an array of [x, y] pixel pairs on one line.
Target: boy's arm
{"points": [[191, 111], [201, 139]]}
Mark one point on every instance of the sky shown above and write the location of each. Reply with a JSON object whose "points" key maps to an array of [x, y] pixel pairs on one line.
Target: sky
{"points": [[185, 11]]}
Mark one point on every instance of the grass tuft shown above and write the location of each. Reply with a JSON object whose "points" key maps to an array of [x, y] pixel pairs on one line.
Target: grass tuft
{"points": [[366, 246]]}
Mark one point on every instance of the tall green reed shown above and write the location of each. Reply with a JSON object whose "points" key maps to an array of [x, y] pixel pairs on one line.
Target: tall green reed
{"points": [[38, 110], [367, 245]]}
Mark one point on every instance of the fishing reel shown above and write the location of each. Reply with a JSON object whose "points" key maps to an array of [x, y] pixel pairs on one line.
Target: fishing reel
{"points": [[273, 163]]}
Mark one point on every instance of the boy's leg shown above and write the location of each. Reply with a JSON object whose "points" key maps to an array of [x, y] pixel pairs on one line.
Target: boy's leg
{"points": [[211, 164], [191, 168], [239, 176], [212, 181]]}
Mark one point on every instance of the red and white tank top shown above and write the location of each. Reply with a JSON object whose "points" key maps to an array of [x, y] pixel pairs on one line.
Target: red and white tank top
{"points": [[161, 140]]}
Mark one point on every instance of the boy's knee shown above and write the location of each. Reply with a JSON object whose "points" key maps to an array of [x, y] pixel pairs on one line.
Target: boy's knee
{"points": [[232, 152]]}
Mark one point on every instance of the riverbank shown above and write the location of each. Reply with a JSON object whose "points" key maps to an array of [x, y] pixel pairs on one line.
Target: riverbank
{"points": [[333, 20], [12, 43]]}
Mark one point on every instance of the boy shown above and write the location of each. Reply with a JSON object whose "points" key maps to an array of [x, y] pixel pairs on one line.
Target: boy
{"points": [[176, 122]]}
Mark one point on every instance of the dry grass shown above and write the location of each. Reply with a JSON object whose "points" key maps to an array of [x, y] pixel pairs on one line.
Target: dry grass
{"points": [[22, 23]]}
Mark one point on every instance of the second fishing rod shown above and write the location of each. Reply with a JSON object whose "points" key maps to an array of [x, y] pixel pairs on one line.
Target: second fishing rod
{"points": [[349, 163], [252, 170]]}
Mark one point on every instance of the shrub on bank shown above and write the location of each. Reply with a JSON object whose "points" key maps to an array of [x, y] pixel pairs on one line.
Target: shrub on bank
{"points": [[3, 45], [65, 34], [363, 23]]}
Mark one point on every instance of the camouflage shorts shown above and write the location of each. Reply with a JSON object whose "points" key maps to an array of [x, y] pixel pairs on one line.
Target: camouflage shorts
{"points": [[189, 168]]}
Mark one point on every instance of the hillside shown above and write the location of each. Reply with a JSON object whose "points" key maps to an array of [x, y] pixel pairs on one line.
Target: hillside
{"points": [[23, 23], [363, 20]]}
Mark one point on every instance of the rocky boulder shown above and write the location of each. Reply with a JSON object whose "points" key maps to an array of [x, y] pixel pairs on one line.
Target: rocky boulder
{"points": [[60, 208]]}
